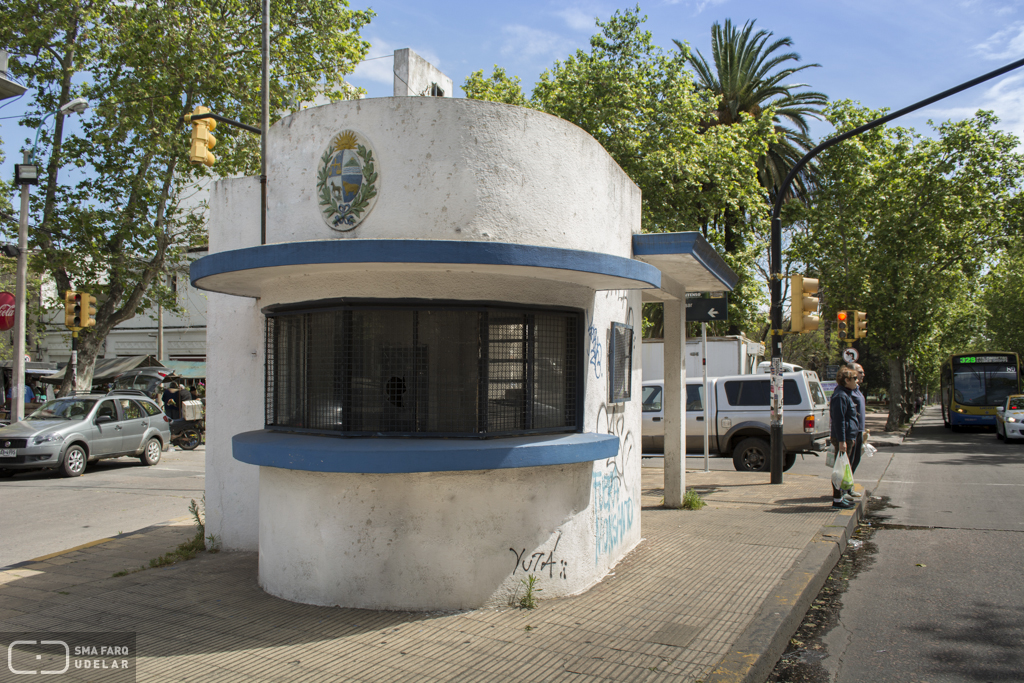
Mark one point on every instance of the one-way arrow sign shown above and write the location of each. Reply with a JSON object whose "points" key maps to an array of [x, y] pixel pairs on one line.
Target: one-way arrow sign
{"points": [[707, 310]]}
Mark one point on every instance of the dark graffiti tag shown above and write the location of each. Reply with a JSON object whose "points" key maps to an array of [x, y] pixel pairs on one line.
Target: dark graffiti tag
{"points": [[540, 561], [595, 350]]}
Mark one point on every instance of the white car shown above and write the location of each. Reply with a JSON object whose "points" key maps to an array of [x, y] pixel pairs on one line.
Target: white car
{"points": [[1010, 418], [739, 418]]}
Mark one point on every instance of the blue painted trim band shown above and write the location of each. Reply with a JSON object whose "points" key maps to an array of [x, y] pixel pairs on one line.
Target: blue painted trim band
{"points": [[970, 419], [687, 243], [388, 456], [422, 251]]}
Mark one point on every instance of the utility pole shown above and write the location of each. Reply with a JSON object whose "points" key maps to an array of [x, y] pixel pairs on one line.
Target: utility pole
{"points": [[265, 121], [20, 287]]}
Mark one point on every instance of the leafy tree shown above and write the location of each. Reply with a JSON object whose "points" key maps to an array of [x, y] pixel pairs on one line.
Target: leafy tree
{"points": [[143, 64], [903, 227], [1003, 291], [643, 106], [499, 87], [747, 77]]}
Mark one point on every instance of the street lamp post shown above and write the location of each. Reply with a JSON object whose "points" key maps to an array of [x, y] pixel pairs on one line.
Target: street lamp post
{"points": [[25, 174], [775, 253]]}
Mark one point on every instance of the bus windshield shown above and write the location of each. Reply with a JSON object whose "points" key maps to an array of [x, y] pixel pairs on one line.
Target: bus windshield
{"points": [[984, 384]]}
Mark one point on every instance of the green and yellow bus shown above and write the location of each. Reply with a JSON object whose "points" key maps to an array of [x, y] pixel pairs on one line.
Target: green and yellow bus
{"points": [[973, 384]]}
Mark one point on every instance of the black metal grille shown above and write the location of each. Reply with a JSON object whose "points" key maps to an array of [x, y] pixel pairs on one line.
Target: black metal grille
{"points": [[448, 371], [621, 357]]}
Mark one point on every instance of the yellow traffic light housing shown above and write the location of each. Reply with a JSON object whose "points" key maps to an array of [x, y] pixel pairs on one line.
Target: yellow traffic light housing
{"points": [[860, 322], [844, 330], [202, 138], [803, 309], [71, 303], [88, 310]]}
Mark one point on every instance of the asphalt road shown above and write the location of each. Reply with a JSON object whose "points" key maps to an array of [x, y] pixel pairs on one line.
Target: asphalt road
{"points": [[942, 599], [43, 513]]}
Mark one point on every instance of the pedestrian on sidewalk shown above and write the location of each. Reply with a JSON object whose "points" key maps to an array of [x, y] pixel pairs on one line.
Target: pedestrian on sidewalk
{"points": [[845, 425], [861, 400]]}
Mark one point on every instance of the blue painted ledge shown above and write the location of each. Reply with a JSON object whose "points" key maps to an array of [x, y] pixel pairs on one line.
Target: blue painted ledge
{"points": [[244, 272], [314, 453]]}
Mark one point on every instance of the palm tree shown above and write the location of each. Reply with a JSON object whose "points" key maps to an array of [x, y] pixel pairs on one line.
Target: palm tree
{"points": [[748, 76]]}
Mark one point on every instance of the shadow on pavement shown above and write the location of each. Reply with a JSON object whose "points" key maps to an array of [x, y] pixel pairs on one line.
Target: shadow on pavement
{"points": [[983, 644]]}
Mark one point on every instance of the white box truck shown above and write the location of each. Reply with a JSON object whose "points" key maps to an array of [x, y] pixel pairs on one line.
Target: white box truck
{"points": [[731, 355]]}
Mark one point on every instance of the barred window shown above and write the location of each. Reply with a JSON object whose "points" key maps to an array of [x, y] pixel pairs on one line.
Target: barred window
{"points": [[431, 370]]}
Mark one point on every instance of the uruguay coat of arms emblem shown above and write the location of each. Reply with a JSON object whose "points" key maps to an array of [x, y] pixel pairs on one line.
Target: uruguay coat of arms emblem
{"points": [[347, 181]]}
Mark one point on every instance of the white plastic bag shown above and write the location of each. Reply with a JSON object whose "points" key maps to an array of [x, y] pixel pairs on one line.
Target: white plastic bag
{"points": [[869, 450], [842, 474], [830, 455]]}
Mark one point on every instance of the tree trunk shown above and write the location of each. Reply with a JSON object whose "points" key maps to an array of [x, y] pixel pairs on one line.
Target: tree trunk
{"points": [[896, 412], [88, 349]]}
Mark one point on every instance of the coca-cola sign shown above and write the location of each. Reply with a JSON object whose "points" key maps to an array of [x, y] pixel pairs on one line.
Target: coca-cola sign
{"points": [[6, 311]]}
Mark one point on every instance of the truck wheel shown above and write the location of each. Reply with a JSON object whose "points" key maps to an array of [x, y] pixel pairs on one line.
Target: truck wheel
{"points": [[751, 455], [789, 461]]}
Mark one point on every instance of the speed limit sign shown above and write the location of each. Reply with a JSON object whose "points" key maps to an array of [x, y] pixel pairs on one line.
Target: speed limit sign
{"points": [[850, 355]]}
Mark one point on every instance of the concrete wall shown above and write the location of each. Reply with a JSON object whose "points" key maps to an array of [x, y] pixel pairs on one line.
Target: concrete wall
{"points": [[456, 169], [449, 170], [234, 374], [414, 76]]}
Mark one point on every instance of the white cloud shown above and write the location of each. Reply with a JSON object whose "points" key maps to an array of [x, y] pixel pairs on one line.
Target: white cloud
{"points": [[578, 19], [379, 65], [1005, 98], [699, 5], [1006, 44], [524, 41]]}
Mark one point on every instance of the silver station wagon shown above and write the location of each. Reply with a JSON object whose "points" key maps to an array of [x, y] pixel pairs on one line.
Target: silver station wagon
{"points": [[67, 433]]}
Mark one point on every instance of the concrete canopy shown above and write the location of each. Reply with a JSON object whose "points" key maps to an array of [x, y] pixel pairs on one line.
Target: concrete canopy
{"points": [[685, 260], [250, 272]]}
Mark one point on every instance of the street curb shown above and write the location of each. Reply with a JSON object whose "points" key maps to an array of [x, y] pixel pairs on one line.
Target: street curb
{"points": [[754, 654], [25, 563]]}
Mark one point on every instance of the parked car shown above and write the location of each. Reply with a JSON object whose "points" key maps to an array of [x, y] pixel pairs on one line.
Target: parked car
{"points": [[1010, 418], [67, 433], [739, 424], [146, 380]]}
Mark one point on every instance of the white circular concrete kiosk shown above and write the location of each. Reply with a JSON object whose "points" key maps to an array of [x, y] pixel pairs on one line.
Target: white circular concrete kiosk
{"points": [[433, 367]]}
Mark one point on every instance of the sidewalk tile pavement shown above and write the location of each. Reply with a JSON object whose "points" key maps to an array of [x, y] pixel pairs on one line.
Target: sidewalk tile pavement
{"points": [[670, 611]]}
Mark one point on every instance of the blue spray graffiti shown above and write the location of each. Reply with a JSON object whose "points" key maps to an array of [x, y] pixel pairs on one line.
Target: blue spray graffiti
{"points": [[613, 513], [595, 350]]}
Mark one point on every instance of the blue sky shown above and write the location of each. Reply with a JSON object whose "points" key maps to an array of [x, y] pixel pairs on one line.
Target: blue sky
{"points": [[883, 54]]}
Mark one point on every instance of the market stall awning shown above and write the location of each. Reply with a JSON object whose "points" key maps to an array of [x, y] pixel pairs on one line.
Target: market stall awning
{"points": [[109, 368], [188, 369], [32, 367]]}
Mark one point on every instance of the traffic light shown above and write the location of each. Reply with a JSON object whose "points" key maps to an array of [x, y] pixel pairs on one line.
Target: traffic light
{"points": [[803, 309], [202, 139], [88, 310], [72, 308], [841, 318], [860, 324]]}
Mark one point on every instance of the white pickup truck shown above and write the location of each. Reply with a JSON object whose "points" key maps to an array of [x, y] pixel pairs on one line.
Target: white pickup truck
{"points": [[739, 418]]}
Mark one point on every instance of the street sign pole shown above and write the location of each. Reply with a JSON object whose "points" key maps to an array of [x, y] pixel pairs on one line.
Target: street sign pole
{"points": [[704, 400]]}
